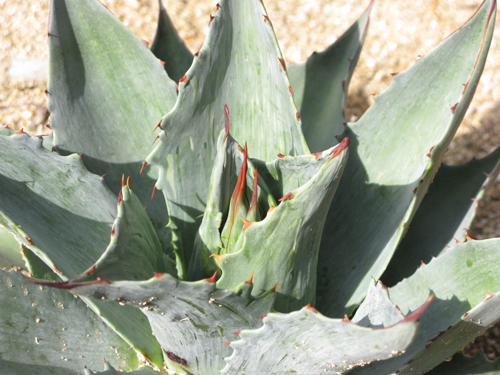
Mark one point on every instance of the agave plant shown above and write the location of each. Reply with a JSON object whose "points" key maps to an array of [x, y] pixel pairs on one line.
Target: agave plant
{"points": [[262, 255]]}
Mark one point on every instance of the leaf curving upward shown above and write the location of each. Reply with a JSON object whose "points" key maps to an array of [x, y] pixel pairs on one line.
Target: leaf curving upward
{"points": [[186, 317], [397, 147], [64, 214], [38, 334], [466, 282], [305, 341], [444, 217], [321, 82], [169, 47], [283, 247], [106, 92], [240, 67]]}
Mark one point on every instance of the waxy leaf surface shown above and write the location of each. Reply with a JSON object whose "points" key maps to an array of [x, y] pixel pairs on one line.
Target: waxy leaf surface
{"points": [[106, 93], [305, 341], [44, 194], [169, 47], [321, 82], [283, 247], [64, 214], [444, 216], [377, 310], [134, 252], [188, 317], [45, 331], [396, 148], [239, 66], [462, 309]]}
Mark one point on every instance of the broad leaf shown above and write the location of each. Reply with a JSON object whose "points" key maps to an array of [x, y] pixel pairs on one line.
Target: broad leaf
{"points": [[169, 47], [287, 173], [320, 85], [65, 218], [307, 342], [283, 247], [106, 92], [444, 216], [38, 334], [134, 252], [239, 66], [224, 178], [462, 309], [187, 317], [396, 148]]}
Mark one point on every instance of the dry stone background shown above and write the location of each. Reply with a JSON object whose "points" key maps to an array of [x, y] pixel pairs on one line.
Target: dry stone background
{"points": [[400, 31]]}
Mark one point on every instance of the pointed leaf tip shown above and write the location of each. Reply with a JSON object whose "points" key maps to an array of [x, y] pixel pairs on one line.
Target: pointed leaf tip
{"points": [[340, 147], [246, 223], [310, 308], [143, 165], [273, 289], [249, 281], [213, 279], [217, 256], [157, 126], [67, 284], [238, 195], [286, 197]]}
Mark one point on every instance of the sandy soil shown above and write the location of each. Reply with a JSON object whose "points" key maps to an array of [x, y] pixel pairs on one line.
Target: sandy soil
{"points": [[399, 32]]}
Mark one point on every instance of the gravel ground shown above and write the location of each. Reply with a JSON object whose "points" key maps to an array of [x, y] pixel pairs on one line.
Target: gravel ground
{"points": [[400, 31]]}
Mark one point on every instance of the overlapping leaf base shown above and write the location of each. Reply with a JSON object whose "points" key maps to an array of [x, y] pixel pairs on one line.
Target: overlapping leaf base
{"points": [[243, 199]]}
